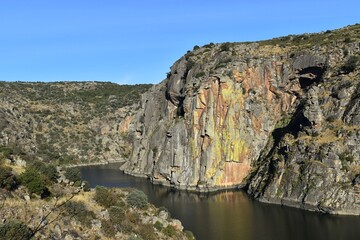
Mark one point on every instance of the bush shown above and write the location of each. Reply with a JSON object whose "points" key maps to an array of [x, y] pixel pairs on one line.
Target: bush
{"points": [[34, 182], [225, 47], [200, 74], [350, 64], [137, 199], [73, 174], [347, 40], [48, 170], [7, 179], [210, 45], [196, 47], [86, 186], [146, 231], [79, 211], [132, 217], [108, 228], [116, 214], [105, 197], [15, 230], [158, 225], [5, 151], [170, 231]]}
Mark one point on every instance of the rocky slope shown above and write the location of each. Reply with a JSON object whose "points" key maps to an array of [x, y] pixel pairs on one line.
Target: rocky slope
{"points": [[72, 212], [279, 118], [67, 122]]}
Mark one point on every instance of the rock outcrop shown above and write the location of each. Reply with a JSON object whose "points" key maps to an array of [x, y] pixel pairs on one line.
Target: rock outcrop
{"points": [[279, 118]]}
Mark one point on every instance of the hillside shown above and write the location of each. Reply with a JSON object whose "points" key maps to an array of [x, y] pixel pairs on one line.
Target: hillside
{"points": [[67, 122], [278, 118], [39, 202]]}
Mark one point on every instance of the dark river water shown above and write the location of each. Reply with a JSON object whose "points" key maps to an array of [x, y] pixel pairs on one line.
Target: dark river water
{"points": [[231, 214]]}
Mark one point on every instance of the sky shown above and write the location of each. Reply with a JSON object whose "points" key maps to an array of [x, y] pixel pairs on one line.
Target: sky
{"points": [[133, 42]]}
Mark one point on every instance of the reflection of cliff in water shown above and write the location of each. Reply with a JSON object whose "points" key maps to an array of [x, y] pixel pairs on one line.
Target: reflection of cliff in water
{"points": [[230, 196], [231, 214]]}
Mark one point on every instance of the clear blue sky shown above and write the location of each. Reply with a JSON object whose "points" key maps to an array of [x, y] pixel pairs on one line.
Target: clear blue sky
{"points": [[135, 41]]}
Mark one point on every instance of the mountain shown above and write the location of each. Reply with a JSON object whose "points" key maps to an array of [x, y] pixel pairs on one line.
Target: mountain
{"points": [[279, 118], [67, 122]]}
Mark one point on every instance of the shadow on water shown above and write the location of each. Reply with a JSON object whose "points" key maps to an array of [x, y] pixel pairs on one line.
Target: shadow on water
{"points": [[230, 214]]}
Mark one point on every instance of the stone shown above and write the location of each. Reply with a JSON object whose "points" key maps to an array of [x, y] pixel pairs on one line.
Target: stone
{"points": [[272, 123], [27, 198]]}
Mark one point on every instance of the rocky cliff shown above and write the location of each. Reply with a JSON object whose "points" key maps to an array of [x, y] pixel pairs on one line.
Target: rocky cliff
{"points": [[279, 118]]}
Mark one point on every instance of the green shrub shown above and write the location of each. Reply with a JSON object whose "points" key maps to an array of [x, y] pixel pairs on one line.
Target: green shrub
{"points": [[146, 231], [210, 45], [200, 74], [137, 199], [6, 151], [170, 231], [86, 186], [196, 47], [346, 157], [347, 40], [225, 47], [48, 170], [34, 182], [350, 64], [15, 230], [132, 217], [7, 179], [116, 214], [108, 229], [73, 174], [79, 211], [106, 197], [158, 225]]}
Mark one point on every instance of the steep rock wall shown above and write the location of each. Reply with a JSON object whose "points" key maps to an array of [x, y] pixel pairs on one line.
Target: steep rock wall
{"points": [[282, 122], [205, 131]]}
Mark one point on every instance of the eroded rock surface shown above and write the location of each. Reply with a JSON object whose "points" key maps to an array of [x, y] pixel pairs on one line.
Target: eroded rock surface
{"points": [[281, 122]]}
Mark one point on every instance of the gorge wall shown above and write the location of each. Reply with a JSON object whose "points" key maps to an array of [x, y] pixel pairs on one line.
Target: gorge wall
{"points": [[279, 118]]}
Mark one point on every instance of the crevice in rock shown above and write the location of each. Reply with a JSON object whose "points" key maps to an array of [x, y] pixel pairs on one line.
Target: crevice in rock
{"points": [[180, 112], [353, 104], [310, 76], [297, 123]]}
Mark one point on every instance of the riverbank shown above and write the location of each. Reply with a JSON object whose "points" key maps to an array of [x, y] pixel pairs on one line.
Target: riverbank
{"points": [[94, 163]]}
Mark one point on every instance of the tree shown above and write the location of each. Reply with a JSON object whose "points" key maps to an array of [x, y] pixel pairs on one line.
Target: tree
{"points": [[34, 182], [15, 230], [7, 179], [48, 170]]}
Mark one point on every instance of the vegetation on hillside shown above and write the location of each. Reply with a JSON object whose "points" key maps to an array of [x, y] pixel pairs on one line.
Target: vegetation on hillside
{"points": [[67, 211], [66, 122]]}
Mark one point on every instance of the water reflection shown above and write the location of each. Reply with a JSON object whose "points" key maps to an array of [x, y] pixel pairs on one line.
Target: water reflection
{"points": [[231, 214]]}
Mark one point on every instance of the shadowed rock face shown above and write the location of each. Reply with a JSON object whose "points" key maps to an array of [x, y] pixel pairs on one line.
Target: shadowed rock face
{"points": [[251, 116]]}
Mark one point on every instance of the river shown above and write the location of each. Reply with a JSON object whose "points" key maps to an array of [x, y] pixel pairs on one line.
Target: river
{"points": [[231, 215]]}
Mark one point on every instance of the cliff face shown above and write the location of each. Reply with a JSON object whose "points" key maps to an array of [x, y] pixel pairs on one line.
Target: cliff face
{"points": [[279, 118]]}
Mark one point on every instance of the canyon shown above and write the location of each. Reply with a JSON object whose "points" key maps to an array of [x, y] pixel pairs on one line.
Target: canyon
{"points": [[278, 118]]}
